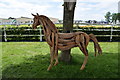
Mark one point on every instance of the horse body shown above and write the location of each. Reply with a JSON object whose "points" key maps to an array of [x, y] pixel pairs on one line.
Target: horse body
{"points": [[69, 40], [64, 41]]}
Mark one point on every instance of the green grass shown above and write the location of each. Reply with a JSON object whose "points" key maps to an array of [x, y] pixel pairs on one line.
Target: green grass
{"points": [[31, 59]]}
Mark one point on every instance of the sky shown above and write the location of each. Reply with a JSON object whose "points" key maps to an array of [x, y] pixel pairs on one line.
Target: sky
{"points": [[85, 9]]}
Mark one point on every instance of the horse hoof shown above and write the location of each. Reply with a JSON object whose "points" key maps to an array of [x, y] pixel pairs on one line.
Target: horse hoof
{"points": [[48, 69], [82, 68], [55, 64]]}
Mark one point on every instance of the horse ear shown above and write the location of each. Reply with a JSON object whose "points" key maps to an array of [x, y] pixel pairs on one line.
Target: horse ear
{"points": [[32, 14], [37, 14]]}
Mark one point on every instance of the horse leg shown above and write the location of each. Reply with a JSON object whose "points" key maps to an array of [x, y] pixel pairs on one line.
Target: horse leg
{"points": [[84, 63], [56, 57], [52, 58], [84, 50], [56, 49], [95, 50], [85, 59]]}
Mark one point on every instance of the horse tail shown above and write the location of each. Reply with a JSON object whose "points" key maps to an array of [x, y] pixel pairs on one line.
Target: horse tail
{"points": [[97, 47]]}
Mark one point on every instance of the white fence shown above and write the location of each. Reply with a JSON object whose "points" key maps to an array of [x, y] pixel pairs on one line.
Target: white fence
{"points": [[41, 35]]}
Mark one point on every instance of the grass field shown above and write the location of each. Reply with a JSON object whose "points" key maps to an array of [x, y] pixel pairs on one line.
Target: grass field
{"points": [[31, 59]]}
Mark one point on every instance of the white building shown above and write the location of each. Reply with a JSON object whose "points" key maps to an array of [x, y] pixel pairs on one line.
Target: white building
{"points": [[119, 7], [5, 21], [23, 20], [118, 11]]}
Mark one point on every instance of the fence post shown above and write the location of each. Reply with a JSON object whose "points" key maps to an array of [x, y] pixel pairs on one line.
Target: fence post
{"points": [[40, 34], [5, 36], [111, 31]]}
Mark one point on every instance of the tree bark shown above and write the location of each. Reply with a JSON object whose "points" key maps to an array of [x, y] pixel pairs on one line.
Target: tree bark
{"points": [[68, 19]]}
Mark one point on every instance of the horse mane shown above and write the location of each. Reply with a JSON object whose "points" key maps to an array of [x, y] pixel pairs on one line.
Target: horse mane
{"points": [[48, 23]]}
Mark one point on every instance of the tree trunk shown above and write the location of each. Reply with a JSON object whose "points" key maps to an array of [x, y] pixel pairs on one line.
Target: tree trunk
{"points": [[68, 19]]}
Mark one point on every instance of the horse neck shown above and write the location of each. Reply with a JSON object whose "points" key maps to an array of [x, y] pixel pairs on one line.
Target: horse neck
{"points": [[48, 26], [49, 29]]}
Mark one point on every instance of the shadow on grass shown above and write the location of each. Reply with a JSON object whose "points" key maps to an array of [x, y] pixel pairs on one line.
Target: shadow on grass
{"points": [[103, 66]]}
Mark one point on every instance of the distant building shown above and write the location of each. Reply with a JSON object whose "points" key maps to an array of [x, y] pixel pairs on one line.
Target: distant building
{"points": [[118, 11], [1, 20], [22, 20], [54, 20], [5, 21], [119, 7]]}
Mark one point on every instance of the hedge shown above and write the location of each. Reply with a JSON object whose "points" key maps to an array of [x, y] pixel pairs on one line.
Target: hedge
{"points": [[29, 34]]}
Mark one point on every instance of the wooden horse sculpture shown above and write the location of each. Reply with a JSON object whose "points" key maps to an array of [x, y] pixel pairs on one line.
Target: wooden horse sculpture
{"points": [[64, 41]]}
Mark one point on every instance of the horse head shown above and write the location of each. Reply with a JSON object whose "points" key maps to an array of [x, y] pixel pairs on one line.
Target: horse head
{"points": [[35, 21]]}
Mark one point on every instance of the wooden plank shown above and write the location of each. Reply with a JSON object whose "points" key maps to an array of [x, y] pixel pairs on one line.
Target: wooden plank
{"points": [[66, 35], [65, 41], [60, 47]]}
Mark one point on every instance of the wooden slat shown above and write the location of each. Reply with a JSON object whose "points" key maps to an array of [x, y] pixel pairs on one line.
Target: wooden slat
{"points": [[66, 36], [60, 47], [64, 41]]}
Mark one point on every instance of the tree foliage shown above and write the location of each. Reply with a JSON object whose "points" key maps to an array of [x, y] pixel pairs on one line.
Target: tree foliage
{"points": [[108, 17], [112, 17], [118, 17]]}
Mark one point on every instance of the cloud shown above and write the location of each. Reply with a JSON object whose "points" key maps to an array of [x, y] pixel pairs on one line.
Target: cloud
{"points": [[16, 9], [95, 9], [85, 9]]}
